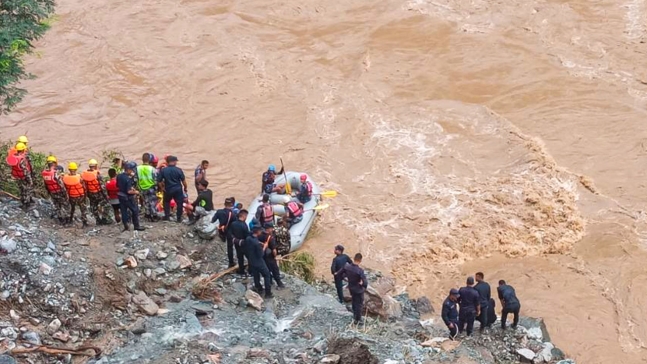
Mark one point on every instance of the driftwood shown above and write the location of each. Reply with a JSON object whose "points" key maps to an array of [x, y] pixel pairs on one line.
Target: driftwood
{"points": [[56, 351], [215, 276], [9, 195]]}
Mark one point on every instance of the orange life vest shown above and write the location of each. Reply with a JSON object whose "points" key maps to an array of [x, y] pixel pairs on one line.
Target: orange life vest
{"points": [[268, 213], [92, 181], [294, 209], [16, 168], [49, 176], [73, 185]]}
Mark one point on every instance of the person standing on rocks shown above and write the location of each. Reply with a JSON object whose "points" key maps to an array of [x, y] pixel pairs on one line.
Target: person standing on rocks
{"points": [[485, 294], [200, 174], [283, 238], [510, 304], [172, 181], [357, 284], [225, 218], [127, 197], [146, 182], [254, 249], [96, 193], [469, 301], [240, 232], [76, 192], [449, 312], [56, 189], [270, 253], [113, 193], [338, 262], [21, 171]]}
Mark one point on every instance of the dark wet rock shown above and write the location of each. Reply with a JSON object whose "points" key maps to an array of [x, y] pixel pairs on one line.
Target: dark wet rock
{"points": [[351, 351], [423, 305], [6, 359]]}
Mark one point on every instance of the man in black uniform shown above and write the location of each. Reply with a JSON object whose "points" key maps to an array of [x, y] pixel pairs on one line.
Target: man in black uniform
{"points": [[449, 313], [338, 262], [254, 250], [470, 307], [485, 294], [357, 284], [239, 232], [270, 253], [225, 217], [509, 302], [171, 180]]}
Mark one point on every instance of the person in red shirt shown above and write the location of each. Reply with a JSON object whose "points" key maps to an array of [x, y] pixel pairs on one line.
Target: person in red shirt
{"points": [[111, 188]]}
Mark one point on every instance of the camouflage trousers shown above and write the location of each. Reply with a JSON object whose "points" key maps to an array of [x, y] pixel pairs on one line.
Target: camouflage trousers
{"points": [[80, 202], [150, 202], [99, 207], [61, 204], [26, 191]]}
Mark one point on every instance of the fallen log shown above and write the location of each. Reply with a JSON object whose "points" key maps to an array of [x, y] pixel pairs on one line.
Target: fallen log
{"points": [[56, 351]]}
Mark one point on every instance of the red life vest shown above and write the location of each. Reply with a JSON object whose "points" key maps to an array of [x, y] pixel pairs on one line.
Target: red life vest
{"points": [[16, 168], [49, 176], [92, 181], [268, 213], [294, 209], [308, 188], [112, 189]]}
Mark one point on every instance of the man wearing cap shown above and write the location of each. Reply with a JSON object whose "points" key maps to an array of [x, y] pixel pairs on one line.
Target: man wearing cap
{"points": [[240, 232], [270, 253], [254, 250], [449, 312], [204, 201], [96, 193], [357, 284], [338, 263], [269, 176], [469, 301], [225, 218], [172, 181], [128, 197]]}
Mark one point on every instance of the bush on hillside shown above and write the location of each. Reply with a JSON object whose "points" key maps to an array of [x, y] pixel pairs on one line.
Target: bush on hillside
{"points": [[299, 264]]}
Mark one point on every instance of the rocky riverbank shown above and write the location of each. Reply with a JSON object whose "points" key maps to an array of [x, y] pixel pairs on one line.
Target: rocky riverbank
{"points": [[101, 296]]}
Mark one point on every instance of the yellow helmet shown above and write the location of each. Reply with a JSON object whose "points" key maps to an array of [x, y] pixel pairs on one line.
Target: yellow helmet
{"points": [[51, 159], [72, 166], [20, 146], [93, 162], [23, 139]]}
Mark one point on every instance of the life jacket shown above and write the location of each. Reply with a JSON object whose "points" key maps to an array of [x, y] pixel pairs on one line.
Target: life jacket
{"points": [[49, 176], [92, 181], [268, 180], [73, 185], [294, 209], [268, 213], [16, 165], [307, 191], [112, 189], [145, 177]]}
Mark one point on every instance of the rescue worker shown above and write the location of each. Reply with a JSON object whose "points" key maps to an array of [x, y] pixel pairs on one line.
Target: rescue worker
{"points": [[305, 190], [204, 201], [509, 303], [293, 212], [240, 232], [485, 293], [21, 171], [56, 189], [268, 179], [254, 250], [270, 253], [338, 263], [225, 217], [449, 312], [172, 181], [200, 173], [264, 212], [76, 192], [113, 194], [96, 193], [283, 237], [469, 301], [146, 182], [491, 315], [23, 139], [128, 197], [357, 284]]}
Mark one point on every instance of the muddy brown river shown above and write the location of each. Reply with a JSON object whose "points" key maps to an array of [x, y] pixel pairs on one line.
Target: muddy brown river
{"points": [[507, 137]]}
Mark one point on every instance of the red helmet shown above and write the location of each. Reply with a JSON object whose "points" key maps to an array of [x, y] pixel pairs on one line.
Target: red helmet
{"points": [[304, 177]]}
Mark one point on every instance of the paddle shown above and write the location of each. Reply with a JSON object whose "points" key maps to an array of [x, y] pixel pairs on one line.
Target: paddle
{"points": [[288, 188], [318, 207], [327, 194]]}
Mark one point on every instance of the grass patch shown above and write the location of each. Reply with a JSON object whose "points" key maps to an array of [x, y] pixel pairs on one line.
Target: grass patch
{"points": [[299, 264]]}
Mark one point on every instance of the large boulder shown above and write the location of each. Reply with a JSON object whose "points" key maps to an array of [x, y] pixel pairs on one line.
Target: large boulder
{"points": [[145, 304], [205, 229], [377, 300]]}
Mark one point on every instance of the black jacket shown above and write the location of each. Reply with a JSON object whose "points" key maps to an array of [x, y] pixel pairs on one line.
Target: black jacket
{"points": [[449, 312], [338, 263], [469, 299], [357, 282], [508, 296], [240, 231], [485, 293], [254, 250]]}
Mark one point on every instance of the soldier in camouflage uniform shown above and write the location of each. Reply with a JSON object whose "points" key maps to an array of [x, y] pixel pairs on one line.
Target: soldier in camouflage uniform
{"points": [[76, 192], [96, 192], [282, 237], [21, 171], [56, 189]]}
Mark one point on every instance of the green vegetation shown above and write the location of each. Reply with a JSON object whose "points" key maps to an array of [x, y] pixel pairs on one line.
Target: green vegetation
{"points": [[8, 184], [299, 264], [21, 23]]}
